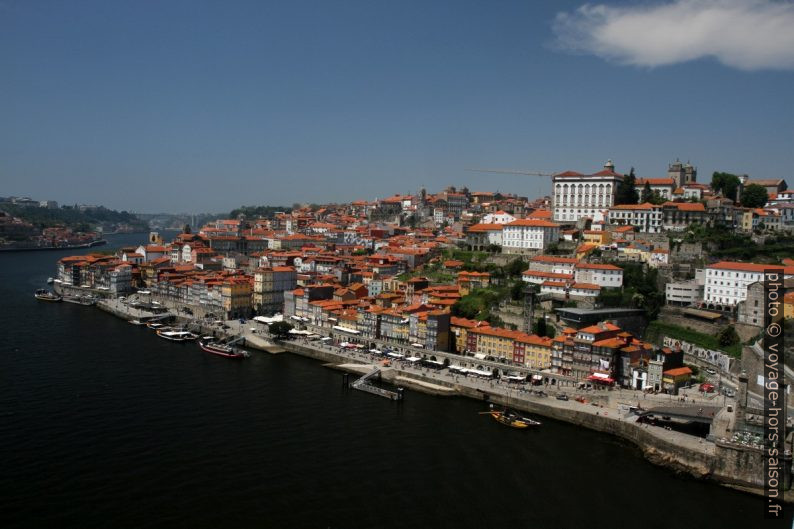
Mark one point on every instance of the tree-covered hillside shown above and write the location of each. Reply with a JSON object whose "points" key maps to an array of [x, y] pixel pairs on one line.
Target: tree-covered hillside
{"points": [[73, 218]]}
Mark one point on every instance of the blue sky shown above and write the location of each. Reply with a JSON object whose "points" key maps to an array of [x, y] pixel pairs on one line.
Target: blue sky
{"points": [[204, 106]]}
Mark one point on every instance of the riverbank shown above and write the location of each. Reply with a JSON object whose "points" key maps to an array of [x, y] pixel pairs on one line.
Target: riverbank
{"points": [[604, 411], [98, 242]]}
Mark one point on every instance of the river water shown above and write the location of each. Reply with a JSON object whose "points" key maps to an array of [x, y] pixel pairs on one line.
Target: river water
{"points": [[104, 425]]}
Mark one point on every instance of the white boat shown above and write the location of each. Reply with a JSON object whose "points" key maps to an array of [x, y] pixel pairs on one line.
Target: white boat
{"points": [[177, 336], [46, 295], [50, 281]]}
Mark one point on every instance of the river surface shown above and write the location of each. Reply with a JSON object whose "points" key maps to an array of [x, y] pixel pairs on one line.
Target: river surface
{"points": [[104, 425]]}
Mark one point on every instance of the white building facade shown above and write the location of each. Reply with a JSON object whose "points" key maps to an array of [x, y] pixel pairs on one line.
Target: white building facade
{"points": [[727, 282], [500, 217], [647, 218], [576, 196], [603, 275], [529, 235]]}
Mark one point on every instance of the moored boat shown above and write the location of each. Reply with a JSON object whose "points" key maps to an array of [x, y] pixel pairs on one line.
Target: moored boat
{"points": [[512, 419], [507, 420], [50, 281], [208, 344], [46, 295], [156, 326], [80, 300], [176, 336]]}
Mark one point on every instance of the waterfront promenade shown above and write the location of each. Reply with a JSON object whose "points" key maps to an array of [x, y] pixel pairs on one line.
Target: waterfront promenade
{"points": [[603, 410]]}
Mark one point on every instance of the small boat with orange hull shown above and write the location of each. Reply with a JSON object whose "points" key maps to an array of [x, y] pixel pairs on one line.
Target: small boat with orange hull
{"points": [[512, 419], [208, 345]]}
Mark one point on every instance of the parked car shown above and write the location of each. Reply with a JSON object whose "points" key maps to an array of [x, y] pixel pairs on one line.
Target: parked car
{"points": [[711, 371], [707, 388], [562, 397]]}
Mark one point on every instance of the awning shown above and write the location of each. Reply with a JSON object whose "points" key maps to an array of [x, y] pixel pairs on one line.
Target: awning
{"points": [[345, 329], [417, 345], [537, 377], [479, 356], [413, 358], [600, 377]]}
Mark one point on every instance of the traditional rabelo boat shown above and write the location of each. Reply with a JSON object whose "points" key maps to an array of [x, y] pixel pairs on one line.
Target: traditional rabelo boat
{"points": [[208, 344], [512, 419]]}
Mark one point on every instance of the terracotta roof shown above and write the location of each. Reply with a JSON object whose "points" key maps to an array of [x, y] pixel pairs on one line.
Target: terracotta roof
{"points": [[644, 206], [553, 259], [749, 267], [765, 182], [533, 223], [540, 214], [686, 206], [476, 228], [550, 275], [594, 266], [586, 286], [678, 371], [600, 327], [655, 181]]}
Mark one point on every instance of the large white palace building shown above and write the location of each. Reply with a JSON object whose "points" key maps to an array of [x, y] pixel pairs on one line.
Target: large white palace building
{"points": [[576, 195]]}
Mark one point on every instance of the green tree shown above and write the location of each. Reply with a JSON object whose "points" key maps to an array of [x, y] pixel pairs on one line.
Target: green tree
{"points": [[517, 291], [514, 268], [540, 327], [754, 196], [725, 183], [280, 329], [657, 198], [728, 336], [493, 248], [627, 190]]}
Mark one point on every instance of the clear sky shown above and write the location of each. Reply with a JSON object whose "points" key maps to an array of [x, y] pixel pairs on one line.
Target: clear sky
{"points": [[205, 106]]}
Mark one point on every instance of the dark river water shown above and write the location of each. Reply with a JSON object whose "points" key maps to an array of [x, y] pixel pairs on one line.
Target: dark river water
{"points": [[104, 425]]}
